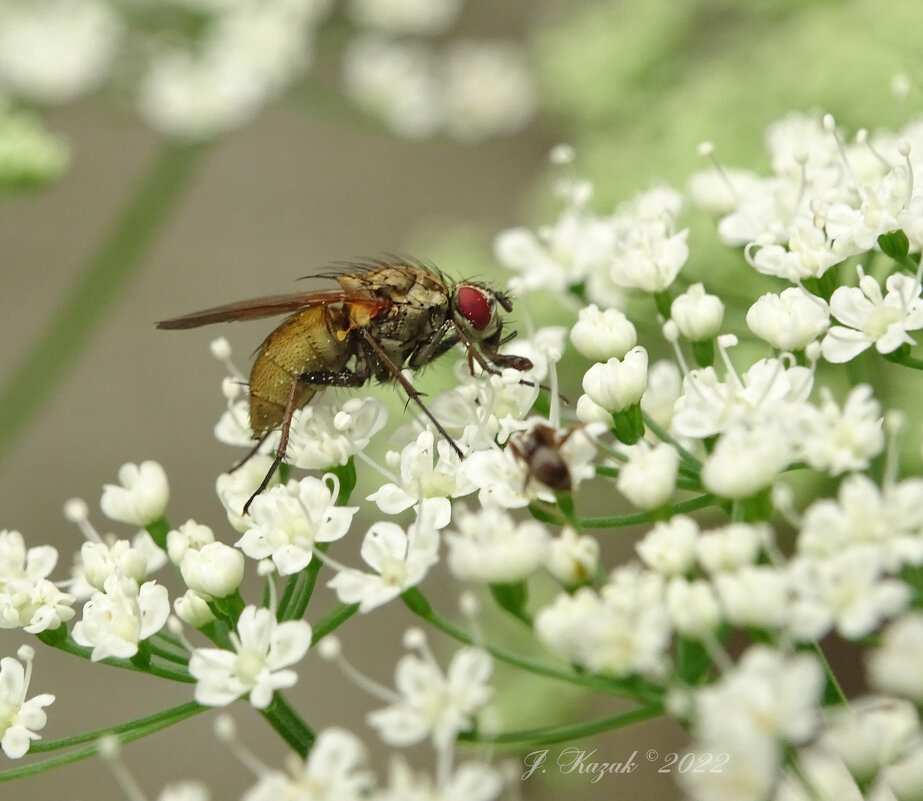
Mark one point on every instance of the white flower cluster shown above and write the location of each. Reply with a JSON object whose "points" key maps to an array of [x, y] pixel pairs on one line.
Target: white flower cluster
{"points": [[816, 533], [245, 54]]}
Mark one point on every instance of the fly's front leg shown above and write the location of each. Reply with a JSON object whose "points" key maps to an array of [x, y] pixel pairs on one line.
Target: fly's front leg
{"points": [[313, 378], [440, 342]]}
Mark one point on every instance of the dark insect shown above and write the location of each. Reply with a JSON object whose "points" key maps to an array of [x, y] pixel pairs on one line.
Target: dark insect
{"points": [[540, 450], [384, 317]]}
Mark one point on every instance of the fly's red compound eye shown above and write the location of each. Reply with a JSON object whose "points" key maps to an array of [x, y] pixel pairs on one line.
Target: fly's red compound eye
{"points": [[474, 306]]}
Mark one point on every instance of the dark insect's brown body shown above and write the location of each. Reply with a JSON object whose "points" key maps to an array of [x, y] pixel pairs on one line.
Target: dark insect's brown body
{"points": [[540, 450], [384, 317]]}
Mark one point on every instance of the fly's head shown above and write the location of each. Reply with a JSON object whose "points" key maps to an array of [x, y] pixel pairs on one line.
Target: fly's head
{"points": [[477, 313]]}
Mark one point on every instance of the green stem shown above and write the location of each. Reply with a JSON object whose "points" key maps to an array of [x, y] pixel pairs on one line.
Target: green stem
{"points": [[630, 688], [331, 621], [636, 518], [289, 725], [163, 671], [663, 436], [573, 731], [103, 278], [127, 732]]}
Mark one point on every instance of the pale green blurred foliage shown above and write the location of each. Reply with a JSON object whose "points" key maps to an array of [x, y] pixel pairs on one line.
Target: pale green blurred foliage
{"points": [[30, 156]]}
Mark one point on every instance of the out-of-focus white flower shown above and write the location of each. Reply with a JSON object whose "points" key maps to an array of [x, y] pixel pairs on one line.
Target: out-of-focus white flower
{"points": [[329, 431], [709, 189], [115, 621], [790, 320], [399, 559], [287, 521], [20, 720], [601, 334], [488, 545], [487, 91], [52, 51], [336, 767], [664, 384], [414, 17], [839, 440], [648, 478], [731, 547], [846, 591], [617, 384], [395, 81], [471, 781], [693, 607], [757, 595], [872, 733], [872, 319], [263, 647], [745, 461], [141, 496], [669, 548], [697, 314], [769, 695], [893, 666], [621, 630], [649, 256], [572, 559], [432, 703]]}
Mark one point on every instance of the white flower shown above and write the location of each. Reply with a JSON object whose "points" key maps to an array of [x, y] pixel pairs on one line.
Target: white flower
{"points": [[287, 521], [214, 571], [617, 384], [141, 496], [234, 489], [395, 81], [327, 433], [870, 319], [262, 648], [769, 695], [697, 314], [118, 559], [893, 665], [756, 595], [623, 629], [28, 599], [490, 546], [335, 770], [487, 89], [790, 320], [193, 609], [648, 478], [693, 607], [115, 621], [572, 559], [863, 515], [664, 384], [472, 781], [428, 470], [669, 548], [20, 720], [871, 733], [432, 703], [846, 591], [769, 395], [416, 17], [52, 51], [745, 461], [589, 412], [578, 245], [649, 256], [400, 561], [601, 334], [839, 440], [731, 547]]}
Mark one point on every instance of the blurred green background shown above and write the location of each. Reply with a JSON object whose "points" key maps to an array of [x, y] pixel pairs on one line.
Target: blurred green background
{"points": [[633, 86]]}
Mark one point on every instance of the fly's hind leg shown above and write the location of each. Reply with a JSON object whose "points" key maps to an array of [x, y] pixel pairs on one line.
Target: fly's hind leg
{"points": [[313, 378]]}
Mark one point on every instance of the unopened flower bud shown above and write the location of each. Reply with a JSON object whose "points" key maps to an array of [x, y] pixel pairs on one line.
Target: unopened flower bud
{"points": [[697, 314], [215, 570], [615, 385], [193, 609], [602, 334]]}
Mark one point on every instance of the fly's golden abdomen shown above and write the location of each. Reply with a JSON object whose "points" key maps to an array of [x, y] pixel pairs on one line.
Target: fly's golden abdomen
{"points": [[305, 342]]}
